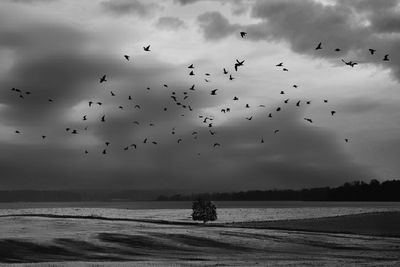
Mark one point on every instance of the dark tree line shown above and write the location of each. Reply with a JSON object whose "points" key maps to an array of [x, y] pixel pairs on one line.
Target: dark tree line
{"points": [[354, 191]]}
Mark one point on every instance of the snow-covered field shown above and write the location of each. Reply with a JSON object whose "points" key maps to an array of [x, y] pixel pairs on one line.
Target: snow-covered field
{"points": [[184, 215]]}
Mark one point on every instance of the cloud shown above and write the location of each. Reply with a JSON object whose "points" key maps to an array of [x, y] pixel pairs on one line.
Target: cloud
{"points": [[128, 7], [215, 26], [170, 23], [352, 26]]}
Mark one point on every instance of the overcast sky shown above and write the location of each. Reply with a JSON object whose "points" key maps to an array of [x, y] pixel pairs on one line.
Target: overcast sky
{"points": [[59, 49]]}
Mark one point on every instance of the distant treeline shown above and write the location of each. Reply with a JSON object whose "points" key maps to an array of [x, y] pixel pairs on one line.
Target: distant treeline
{"points": [[72, 196], [354, 191]]}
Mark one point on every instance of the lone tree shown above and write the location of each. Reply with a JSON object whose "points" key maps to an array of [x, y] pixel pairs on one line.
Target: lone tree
{"points": [[204, 210]]}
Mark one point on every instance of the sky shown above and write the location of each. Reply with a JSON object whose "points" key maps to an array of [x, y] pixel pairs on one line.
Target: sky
{"points": [[59, 50]]}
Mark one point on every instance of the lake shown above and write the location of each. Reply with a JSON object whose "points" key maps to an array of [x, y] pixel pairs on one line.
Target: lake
{"points": [[228, 211]]}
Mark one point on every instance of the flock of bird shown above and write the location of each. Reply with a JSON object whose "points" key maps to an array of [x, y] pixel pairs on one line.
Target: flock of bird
{"points": [[182, 101]]}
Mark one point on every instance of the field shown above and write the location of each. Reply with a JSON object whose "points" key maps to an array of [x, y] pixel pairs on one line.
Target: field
{"points": [[370, 239]]}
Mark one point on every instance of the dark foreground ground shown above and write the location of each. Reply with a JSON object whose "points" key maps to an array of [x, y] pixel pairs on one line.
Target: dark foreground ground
{"points": [[375, 241]]}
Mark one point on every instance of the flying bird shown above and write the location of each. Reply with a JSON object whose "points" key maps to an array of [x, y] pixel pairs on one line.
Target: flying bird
{"points": [[103, 79], [214, 92], [249, 118], [285, 69], [191, 73], [126, 57], [309, 120], [333, 112], [225, 71], [386, 57], [103, 118], [279, 65], [146, 48], [217, 144], [230, 77], [319, 46], [192, 88], [191, 66], [90, 103], [84, 118], [276, 131], [243, 34], [235, 98], [112, 93], [372, 51]]}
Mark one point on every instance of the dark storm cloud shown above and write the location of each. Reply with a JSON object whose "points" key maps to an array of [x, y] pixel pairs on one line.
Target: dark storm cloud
{"points": [[57, 61], [352, 26], [215, 26], [127, 7], [170, 23]]}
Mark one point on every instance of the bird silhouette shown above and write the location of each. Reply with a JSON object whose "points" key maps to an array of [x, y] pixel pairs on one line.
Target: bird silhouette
{"points": [[104, 151], [103, 118], [112, 93], [212, 133], [276, 131], [231, 78], [107, 143], [43, 136], [247, 106], [295, 86], [270, 115], [214, 92], [386, 57], [337, 50], [346, 140], [278, 109], [319, 46], [192, 87], [238, 64], [309, 120], [74, 132], [235, 98], [86, 152], [133, 145], [103, 79], [16, 131], [286, 101], [99, 103], [126, 148], [90, 103], [249, 118], [298, 103], [146, 48], [279, 65], [262, 140], [84, 118], [325, 100], [282, 92], [145, 141], [207, 80], [126, 57], [191, 66], [333, 112], [191, 73], [243, 34], [50, 100], [285, 69], [129, 97], [372, 51], [225, 71], [216, 144], [179, 140]]}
